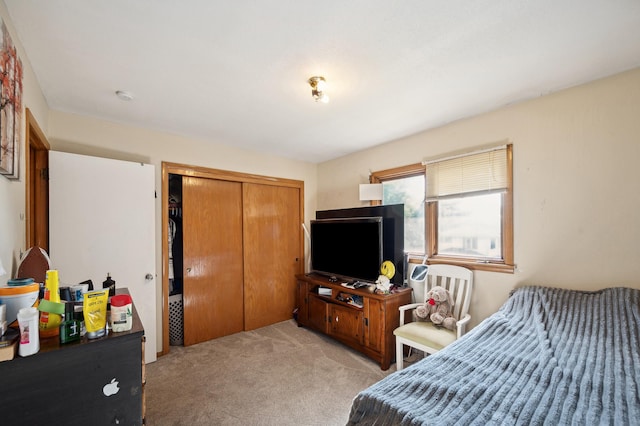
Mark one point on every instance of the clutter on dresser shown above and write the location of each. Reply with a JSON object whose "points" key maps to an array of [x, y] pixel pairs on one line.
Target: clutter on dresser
{"points": [[71, 379], [33, 314]]}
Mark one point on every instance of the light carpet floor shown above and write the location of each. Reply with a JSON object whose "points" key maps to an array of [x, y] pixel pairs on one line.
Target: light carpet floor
{"points": [[277, 375]]}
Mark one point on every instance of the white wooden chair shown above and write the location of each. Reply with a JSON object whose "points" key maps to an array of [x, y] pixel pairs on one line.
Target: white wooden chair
{"points": [[426, 336]]}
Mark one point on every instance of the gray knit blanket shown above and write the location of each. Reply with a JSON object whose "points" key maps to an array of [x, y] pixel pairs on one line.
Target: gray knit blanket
{"points": [[548, 357]]}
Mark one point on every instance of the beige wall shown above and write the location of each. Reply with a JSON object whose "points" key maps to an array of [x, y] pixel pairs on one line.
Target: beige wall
{"points": [[12, 192], [84, 135], [576, 185], [90, 136], [575, 176]]}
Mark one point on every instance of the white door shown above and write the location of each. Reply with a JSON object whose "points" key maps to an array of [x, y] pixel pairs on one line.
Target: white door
{"points": [[102, 220]]}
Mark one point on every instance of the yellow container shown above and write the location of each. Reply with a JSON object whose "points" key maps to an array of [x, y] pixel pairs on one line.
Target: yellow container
{"points": [[50, 322], [94, 307], [52, 286]]}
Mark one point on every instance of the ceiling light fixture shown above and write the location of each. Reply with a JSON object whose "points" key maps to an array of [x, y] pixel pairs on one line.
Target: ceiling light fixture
{"points": [[318, 84], [125, 96]]}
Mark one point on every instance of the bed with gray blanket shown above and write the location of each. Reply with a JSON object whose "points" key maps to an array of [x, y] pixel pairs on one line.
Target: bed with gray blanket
{"points": [[547, 357]]}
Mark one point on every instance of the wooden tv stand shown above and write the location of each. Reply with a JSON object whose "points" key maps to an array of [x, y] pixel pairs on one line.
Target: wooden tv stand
{"points": [[365, 321]]}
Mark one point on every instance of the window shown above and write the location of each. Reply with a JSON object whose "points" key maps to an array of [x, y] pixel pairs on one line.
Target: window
{"points": [[410, 192], [470, 226], [468, 219], [406, 185]]}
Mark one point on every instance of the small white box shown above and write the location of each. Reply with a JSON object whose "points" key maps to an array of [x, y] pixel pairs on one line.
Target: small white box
{"points": [[324, 291]]}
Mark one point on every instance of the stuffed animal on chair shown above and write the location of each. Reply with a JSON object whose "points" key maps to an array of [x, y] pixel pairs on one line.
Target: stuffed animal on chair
{"points": [[438, 308]]}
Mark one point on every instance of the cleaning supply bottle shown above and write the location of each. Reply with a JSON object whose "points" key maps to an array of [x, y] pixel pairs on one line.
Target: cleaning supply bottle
{"points": [[50, 322], [109, 284], [29, 338], [70, 327]]}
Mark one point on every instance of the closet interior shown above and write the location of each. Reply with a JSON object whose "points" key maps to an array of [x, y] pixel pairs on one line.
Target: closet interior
{"points": [[176, 313]]}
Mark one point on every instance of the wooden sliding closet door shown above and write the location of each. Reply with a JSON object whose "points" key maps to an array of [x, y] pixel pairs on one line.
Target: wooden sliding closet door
{"points": [[212, 247], [272, 227]]}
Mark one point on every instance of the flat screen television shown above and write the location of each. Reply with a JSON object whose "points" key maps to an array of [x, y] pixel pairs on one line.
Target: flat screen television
{"points": [[347, 248], [392, 231]]}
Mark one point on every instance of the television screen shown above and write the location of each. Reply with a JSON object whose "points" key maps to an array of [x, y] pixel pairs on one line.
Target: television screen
{"points": [[392, 231], [349, 248]]}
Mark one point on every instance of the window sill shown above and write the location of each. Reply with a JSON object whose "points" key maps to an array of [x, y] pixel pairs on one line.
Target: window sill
{"points": [[473, 264]]}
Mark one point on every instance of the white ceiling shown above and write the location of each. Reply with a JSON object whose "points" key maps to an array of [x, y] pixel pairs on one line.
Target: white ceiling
{"points": [[235, 72]]}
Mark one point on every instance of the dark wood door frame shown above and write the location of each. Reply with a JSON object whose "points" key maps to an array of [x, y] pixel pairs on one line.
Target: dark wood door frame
{"points": [[196, 171], [37, 184]]}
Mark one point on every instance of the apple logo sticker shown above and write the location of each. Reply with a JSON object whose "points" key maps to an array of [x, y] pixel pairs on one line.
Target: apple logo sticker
{"points": [[111, 388]]}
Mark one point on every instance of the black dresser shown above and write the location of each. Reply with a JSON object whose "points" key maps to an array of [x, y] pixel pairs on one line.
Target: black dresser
{"points": [[90, 382]]}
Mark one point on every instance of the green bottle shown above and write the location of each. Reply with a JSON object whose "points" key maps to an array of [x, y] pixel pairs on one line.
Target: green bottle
{"points": [[69, 328]]}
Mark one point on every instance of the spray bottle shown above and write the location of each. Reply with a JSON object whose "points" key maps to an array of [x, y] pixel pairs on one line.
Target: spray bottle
{"points": [[50, 322]]}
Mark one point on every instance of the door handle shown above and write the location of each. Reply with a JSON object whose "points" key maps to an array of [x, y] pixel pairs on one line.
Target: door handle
{"points": [[188, 270], [148, 277]]}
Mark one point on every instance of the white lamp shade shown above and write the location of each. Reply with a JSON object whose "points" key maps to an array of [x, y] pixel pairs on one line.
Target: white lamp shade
{"points": [[371, 192]]}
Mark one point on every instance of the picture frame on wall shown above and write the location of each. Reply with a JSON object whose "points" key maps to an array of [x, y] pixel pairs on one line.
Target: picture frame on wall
{"points": [[10, 105]]}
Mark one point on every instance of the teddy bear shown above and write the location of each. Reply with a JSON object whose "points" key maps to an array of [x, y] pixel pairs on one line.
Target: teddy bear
{"points": [[438, 308]]}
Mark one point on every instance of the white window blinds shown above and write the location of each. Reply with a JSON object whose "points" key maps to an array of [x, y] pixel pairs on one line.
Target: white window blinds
{"points": [[468, 174]]}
